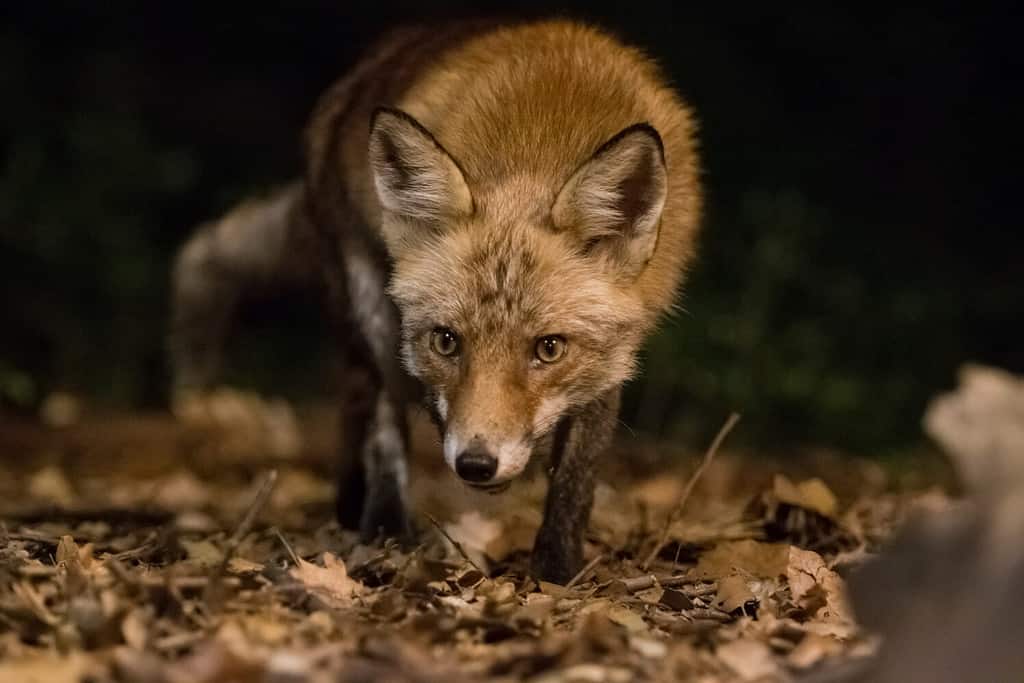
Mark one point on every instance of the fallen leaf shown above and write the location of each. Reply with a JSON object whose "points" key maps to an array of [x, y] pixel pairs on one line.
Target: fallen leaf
{"points": [[627, 618], [813, 648], [746, 557], [330, 583], [676, 600], [134, 630], [240, 565], [812, 494], [45, 668], [51, 485], [180, 491], [60, 409], [733, 592], [810, 578], [751, 660], [648, 647], [203, 552]]}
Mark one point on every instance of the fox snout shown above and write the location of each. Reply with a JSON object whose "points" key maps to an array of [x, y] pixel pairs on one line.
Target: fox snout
{"points": [[485, 463], [476, 464]]}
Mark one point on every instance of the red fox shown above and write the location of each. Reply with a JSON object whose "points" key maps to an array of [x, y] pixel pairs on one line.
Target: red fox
{"points": [[499, 216]]}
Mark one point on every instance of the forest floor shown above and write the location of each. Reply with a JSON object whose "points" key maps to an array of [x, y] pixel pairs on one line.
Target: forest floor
{"points": [[135, 548]]}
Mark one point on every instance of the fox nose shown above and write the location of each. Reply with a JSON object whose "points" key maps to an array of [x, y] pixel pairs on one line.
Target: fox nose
{"points": [[476, 465]]}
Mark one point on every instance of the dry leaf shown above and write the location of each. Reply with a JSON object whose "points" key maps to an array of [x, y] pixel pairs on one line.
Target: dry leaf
{"points": [[676, 600], [60, 409], [812, 494], [648, 647], [812, 649], [330, 583], [203, 552], [240, 565], [734, 592], [750, 659], [810, 577], [746, 557], [623, 616], [51, 485], [180, 491], [45, 668], [134, 630]]}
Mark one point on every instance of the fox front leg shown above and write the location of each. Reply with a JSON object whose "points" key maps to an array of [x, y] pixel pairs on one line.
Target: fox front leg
{"points": [[376, 427], [578, 443]]}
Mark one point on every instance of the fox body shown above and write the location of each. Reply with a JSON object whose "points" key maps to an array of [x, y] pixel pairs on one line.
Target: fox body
{"points": [[500, 215]]}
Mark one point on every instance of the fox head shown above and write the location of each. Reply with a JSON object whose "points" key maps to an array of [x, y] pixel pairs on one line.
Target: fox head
{"points": [[515, 301]]}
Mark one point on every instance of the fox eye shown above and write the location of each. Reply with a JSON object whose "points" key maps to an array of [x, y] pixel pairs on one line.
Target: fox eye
{"points": [[550, 349], [444, 341]]}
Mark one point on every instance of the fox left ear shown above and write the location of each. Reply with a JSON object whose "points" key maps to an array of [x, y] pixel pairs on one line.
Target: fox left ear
{"points": [[414, 175], [614, 200]]}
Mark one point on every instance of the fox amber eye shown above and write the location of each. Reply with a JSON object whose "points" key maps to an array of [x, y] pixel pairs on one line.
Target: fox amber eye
{"points": [[444, 341], [550, 348]]}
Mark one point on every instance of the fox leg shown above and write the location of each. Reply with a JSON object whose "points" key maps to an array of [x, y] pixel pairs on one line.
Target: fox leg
{"points": [[259, 243], [578, 443], [375, 425]]}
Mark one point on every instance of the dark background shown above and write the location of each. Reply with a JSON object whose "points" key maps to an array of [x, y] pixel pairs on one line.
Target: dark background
{"points": [[860, 242]]}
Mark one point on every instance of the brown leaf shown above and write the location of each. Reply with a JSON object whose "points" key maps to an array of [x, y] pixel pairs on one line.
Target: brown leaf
{"points": [[51, 485], [752, 660], [745, 557], [330, 583], [240, 565], [627, 618], [134, 630], [45, 668], [812, 494], [811, 580], [734, 592], [812, 649], [203, 552], [676, 600]]}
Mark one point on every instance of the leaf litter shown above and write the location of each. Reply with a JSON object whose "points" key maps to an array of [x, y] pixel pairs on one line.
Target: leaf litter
{"points": [[128, 555]]}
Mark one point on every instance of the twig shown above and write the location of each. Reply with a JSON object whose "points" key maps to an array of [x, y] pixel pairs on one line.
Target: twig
{"points": [[702, 613], [121, 573], [178, 641], [456, 544], [639, 583], [287, 546], [708, 457], [258, 501], [583, 572], [211, 594]]}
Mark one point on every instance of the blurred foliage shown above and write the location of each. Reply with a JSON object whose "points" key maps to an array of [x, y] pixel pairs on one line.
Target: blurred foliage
{"points": [[854, 251]]}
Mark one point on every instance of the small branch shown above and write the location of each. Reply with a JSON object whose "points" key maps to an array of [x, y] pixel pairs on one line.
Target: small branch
{"points": [[456, 544], [708, 613], [692, 588], [708, 457], [583, 572], [245, 526], [287, 546], [211, 593]]}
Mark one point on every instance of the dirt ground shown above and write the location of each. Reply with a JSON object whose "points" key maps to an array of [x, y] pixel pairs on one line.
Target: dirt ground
{"points": [[137, 547]]}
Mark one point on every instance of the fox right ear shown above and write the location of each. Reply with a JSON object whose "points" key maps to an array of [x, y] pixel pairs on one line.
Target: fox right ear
{"points": [[413, 174], [613, 201]]}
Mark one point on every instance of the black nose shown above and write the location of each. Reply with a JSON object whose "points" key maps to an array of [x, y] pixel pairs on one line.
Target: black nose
{"points": [[476, 465]]}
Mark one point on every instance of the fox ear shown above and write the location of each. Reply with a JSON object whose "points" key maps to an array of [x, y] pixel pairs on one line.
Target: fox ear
{"points": [[414, 175], [614, 200]]}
